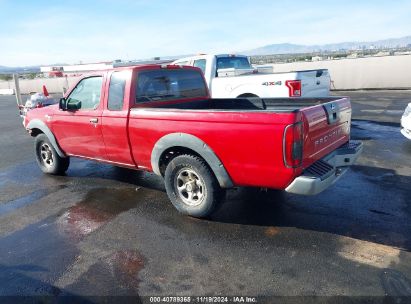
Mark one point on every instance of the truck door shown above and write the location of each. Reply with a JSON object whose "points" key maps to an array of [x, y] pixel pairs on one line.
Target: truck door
{"points": [[115, 118], [78, 132]]}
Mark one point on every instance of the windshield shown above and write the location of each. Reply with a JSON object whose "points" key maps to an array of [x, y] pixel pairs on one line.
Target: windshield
{"points": [[233, 62]]}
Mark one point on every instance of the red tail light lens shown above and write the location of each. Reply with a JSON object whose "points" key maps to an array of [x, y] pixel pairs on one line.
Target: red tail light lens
{"points": [[39, 105], [293, 145], [294, 88]]}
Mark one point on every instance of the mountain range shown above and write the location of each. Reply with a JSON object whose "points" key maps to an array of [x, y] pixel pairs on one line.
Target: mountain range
{"points": [[281, 48], [29, 69], [289, 48]]}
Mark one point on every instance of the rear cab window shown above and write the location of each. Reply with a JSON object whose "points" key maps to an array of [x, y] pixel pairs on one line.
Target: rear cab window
{"points": [[233, 62], [169, 84]]}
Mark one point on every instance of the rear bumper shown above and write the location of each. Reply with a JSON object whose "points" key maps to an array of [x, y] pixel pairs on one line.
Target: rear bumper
{"points": [[325, 172]]}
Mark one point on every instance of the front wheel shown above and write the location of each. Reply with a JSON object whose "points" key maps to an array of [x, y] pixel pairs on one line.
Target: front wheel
{"points": [[192, 186], [47, 158]]}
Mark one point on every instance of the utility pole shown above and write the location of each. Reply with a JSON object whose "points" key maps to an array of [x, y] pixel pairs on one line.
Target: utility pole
{"points": [[17, 89], [66, 85]]}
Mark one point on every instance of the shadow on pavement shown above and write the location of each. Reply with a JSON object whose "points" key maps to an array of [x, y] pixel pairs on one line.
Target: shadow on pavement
{"points": [[368, 203], [360, 205], [30, 289]]}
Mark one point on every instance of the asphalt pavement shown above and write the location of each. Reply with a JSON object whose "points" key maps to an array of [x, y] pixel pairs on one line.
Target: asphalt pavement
{"points": [[106, 231]]}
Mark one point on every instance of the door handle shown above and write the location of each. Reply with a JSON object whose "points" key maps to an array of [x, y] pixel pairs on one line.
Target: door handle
{"points": [[94, 120]]}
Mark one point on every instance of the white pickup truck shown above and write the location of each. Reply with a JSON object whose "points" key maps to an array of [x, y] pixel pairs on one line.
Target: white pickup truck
{"points": [[231, 76]]}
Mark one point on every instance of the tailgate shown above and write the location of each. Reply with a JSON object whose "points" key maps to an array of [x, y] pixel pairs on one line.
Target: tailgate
{"points": [[326, 127], [315, 83]]}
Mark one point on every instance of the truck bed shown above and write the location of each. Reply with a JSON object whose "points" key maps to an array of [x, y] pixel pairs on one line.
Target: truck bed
{"points": [[287, 105], [261, 122]]}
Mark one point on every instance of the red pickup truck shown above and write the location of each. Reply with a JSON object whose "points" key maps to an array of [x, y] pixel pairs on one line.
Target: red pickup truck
{"points": [[160, 118]]}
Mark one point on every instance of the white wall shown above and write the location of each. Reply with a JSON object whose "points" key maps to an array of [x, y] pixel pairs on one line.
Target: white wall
{"points": [[87, 67], [388, 72], [362, 73], [6, 91], [53, 85]]}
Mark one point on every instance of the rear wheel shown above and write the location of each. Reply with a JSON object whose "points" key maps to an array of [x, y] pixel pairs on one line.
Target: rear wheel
{"points": [[247, 95], [47, 158], [192, 186]]}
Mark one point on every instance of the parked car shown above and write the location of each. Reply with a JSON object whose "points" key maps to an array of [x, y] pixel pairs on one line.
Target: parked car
{"points": [[230, 76], [406, 122], [161, 118]]}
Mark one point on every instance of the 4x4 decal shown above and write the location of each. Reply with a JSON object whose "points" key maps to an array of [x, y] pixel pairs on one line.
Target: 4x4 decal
{"points": [[272, 83]]}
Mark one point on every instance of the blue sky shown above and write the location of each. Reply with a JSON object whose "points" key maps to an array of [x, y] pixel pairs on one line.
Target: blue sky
{"points": [[45, 32]]}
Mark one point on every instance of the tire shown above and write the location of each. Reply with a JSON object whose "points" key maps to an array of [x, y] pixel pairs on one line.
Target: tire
{"points": [[47, 158], [249, 95], [192, 186]]}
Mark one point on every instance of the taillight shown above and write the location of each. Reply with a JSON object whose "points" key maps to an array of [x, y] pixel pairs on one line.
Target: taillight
{"points": [[294, 88], [39, 105], [293, 145]]}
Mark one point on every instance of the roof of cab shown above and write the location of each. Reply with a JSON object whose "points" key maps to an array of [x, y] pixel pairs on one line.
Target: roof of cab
{"points": [[141, 67]]}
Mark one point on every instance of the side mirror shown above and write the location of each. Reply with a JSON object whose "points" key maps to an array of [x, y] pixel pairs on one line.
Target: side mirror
{"points": [[62, 104], [73, 104]]}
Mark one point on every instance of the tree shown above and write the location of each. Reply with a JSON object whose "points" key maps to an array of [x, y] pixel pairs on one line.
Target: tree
{"points": [[6, 77]]}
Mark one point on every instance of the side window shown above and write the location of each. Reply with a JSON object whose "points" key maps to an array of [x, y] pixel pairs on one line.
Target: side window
{"points": [[88, 92], [200, 63], [116, 91]]}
